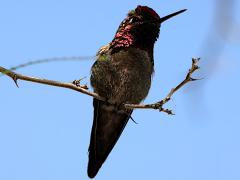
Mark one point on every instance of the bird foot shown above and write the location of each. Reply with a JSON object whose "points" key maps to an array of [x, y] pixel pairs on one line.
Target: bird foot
{"points": [[78, 83]]}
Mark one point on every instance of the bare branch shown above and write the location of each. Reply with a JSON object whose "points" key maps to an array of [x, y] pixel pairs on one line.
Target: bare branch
{"points": [[79, 88], [159, 105], [75, 85]]}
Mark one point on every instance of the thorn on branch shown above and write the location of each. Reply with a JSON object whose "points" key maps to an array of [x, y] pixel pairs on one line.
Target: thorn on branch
{"points": [[168, 111], [193, 79], [15, 80]]}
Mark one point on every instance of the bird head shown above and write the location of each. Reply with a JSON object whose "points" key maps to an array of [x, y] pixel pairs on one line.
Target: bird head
{"points": [[140, 28]]}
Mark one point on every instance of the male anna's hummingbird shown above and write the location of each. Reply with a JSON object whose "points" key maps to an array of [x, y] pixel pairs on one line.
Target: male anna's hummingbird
{"points": [[122, 74]]}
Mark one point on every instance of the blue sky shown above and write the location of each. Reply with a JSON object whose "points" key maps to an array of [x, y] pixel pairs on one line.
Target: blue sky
{"points": [[44, 131]]}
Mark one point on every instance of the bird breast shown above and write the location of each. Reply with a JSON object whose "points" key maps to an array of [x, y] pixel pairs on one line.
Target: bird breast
{"points": [[124, 76]]}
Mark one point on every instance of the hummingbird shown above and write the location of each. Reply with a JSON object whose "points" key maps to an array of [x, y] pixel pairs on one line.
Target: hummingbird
{"points": [[122, 74]]}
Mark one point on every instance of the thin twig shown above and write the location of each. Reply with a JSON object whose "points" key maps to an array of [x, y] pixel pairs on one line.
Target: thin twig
{"points": [[83, 89], [47, 60]]}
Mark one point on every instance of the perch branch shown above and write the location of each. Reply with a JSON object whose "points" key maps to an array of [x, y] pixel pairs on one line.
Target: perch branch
{"points": [[75, 85], [159, 105]]}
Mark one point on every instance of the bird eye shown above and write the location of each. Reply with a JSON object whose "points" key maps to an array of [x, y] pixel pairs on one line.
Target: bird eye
{"points": [[133, 20]]}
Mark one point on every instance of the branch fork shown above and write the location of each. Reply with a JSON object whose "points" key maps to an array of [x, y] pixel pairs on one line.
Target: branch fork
{"points": [[159, 105]]}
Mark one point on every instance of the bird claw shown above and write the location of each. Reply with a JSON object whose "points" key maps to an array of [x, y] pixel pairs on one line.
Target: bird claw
{"points": [[78, 82], [133, 120]]}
